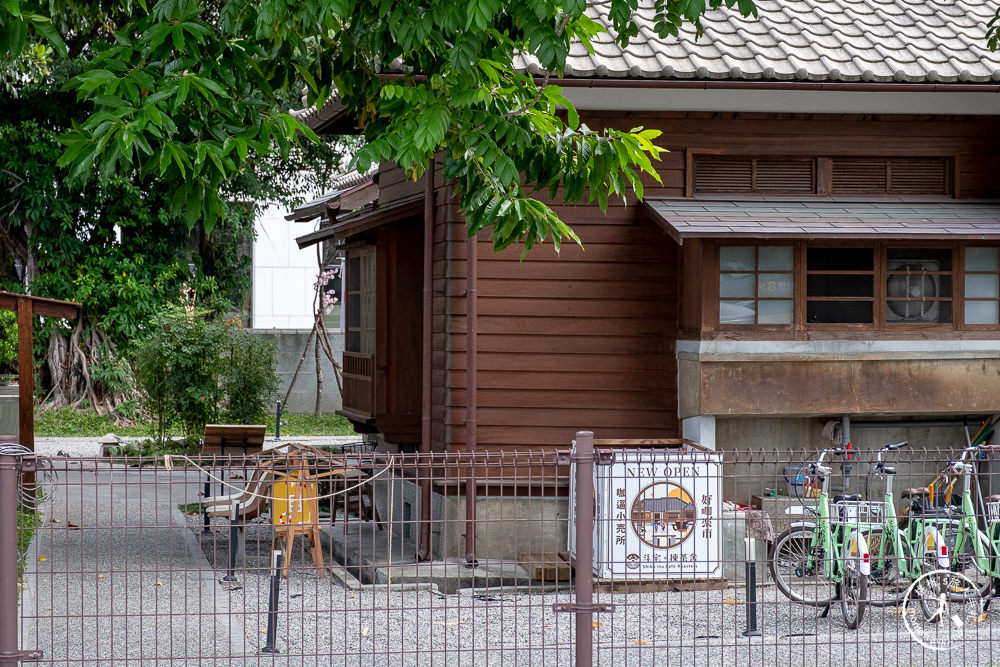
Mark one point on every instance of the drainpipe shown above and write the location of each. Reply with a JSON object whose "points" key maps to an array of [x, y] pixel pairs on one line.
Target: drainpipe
{"points": [[845, 425], [471, 373], [424, 548]]}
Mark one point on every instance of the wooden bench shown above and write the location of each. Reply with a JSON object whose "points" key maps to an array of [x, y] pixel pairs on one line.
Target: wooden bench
{"points": [[246, 438]]}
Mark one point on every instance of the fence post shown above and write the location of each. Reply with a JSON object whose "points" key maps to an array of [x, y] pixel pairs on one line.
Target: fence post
{"points": [[584, 548], [8, 561]]}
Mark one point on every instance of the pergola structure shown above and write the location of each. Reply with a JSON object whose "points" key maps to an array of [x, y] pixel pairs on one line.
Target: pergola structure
{"points": [[25, 306]]}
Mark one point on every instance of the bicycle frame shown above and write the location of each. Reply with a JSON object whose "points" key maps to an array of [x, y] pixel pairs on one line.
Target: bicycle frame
{"points": [[834, 547]]}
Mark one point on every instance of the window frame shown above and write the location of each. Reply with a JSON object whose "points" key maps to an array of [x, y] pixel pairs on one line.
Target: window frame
{"points": [[880, 275]]}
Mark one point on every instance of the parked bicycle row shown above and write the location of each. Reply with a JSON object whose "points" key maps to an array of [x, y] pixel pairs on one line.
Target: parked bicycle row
{"points": [[938, 551]]}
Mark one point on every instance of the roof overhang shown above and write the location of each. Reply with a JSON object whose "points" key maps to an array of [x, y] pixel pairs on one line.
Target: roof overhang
{"points": [[364, 220], [359, 194], [825, 218]]}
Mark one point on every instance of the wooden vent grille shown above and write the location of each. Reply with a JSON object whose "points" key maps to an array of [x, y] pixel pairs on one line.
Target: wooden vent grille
{"points": [[716, 173], [779, 176], [916, 176], [723, 174]]}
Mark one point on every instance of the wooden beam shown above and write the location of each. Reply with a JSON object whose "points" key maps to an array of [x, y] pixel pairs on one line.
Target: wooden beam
{"points": [[39, 306]]}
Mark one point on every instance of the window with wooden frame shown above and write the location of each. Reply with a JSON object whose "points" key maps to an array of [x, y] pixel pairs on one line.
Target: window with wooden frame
{"points": [[982, 286], [881, 286], [360, 302], [756, 284]]}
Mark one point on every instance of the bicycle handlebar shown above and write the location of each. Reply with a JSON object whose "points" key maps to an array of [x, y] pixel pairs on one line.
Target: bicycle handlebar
{"points": [[890, 448]]}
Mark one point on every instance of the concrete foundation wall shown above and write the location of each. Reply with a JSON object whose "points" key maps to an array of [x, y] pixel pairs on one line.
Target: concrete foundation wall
{"points": [[765, 446], [506, 526], [289, 345]]}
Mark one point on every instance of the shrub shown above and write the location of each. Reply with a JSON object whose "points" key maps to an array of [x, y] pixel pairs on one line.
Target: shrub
{"points": [[8, 341], [249, 381]]}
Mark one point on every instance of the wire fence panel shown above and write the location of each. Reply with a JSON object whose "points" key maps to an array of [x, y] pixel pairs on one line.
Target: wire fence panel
{"points": [[303, 557], [123, 568]]}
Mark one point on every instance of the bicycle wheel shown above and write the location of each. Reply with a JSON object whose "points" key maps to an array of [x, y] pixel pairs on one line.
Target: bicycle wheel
{"points": [[793, 574], [964, 561], [853, 594], [886, 584]]}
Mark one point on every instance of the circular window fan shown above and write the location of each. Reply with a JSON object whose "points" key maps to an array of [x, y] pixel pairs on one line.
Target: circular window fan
{"points": [[916, 283]]}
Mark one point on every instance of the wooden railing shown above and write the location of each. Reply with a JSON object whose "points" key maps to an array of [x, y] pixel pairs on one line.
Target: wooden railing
{"points": [[359, 383]]}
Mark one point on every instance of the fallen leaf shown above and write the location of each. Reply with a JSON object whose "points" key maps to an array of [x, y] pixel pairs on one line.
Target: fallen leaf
{"points": [[731, 601], [42, 559], [100, 576], [364, 632], [453, 623], [597, 624], [981, 617], [159, 583], [72, 526], [263, 631], [640, 642], [55, 520]]}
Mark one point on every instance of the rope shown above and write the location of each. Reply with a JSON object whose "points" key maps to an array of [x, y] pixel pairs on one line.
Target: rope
{"points": [[169, 465]]}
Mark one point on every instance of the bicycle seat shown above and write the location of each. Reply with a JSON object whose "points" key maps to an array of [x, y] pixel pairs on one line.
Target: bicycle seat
{"points": [[848, 497], [994, 498], [915, 492]]}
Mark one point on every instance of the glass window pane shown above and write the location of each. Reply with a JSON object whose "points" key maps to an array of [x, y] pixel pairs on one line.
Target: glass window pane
{"points": [[917, 286], [917, 312], [840, 259], [775, 258], [981, 259], [838, 285], [918, 259], [737, 258], [982, 312], [776, 312], [839, 312], [736, 312], [736, 284], [775, 285], [983, 286]]}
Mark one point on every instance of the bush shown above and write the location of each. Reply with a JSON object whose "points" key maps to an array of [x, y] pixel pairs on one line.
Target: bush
{"points": [[8, 341], [191, 365], [249, 381]]}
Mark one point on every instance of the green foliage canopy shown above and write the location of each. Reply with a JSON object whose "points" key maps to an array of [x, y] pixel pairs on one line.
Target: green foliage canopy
{"points": [[185, 90]]}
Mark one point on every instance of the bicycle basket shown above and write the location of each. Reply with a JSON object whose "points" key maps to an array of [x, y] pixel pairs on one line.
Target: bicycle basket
{"points": [[993, 511], [859, 512]]}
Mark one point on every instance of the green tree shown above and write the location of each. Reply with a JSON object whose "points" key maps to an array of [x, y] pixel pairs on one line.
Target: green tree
{"points": [[112, 244], [186, 91]]}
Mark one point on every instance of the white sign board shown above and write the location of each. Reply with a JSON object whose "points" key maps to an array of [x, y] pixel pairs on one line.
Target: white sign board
{"points": [[658, 515]]}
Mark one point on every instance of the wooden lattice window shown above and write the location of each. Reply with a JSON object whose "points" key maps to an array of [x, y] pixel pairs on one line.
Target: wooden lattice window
{"points": [[361, 300]]}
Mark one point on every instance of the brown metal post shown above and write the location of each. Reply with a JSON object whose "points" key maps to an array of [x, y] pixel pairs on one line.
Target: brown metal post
{"points": [[8, 561], [471, 383], [584, 548], [424, 546]]}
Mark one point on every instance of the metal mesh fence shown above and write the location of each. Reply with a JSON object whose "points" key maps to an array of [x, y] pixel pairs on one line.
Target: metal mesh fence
{"points": [[706, 558]]}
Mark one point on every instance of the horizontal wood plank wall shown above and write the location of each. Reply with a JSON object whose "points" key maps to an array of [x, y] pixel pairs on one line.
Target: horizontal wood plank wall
{"points": [[581, 340]]}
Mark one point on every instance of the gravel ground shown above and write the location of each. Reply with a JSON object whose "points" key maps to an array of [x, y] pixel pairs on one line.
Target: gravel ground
{"points": [[111, 580]]}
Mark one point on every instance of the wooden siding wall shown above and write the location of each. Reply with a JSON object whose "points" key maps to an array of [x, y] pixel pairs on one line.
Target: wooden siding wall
{"points": [[586, 340]]}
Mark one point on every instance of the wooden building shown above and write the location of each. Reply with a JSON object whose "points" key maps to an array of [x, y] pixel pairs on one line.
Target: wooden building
{"points": [[825, 242]]}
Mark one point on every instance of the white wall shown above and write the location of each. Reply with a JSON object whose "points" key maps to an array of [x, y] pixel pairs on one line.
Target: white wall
{"points": [[283, 275]]}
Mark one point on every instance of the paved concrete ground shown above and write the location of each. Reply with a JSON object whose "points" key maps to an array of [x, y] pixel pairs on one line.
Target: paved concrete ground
{"points": [[119, 575], [91, 447]]}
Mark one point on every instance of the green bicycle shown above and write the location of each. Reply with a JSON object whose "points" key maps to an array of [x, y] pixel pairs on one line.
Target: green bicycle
{"points": [[944, 539], [815, 562]]}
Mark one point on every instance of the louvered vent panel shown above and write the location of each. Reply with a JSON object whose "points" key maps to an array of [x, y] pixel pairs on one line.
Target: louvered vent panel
{"points": [[722, 174], [785, 176], [918, 177], [859, 177]]}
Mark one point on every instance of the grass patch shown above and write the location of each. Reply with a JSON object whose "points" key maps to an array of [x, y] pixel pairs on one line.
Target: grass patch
{"points": [[85, 423]]}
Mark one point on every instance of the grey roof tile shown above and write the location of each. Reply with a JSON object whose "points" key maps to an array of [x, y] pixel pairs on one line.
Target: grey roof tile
{"points": [[939, 41]]}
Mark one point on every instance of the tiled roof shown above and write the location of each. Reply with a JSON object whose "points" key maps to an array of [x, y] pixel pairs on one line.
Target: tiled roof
{"points": [[913, 41], [769, 217]]}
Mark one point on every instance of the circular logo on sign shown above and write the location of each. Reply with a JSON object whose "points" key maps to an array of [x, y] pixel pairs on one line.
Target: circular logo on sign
{"points": [[946, 606], [632, 561], [663, 515]]}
